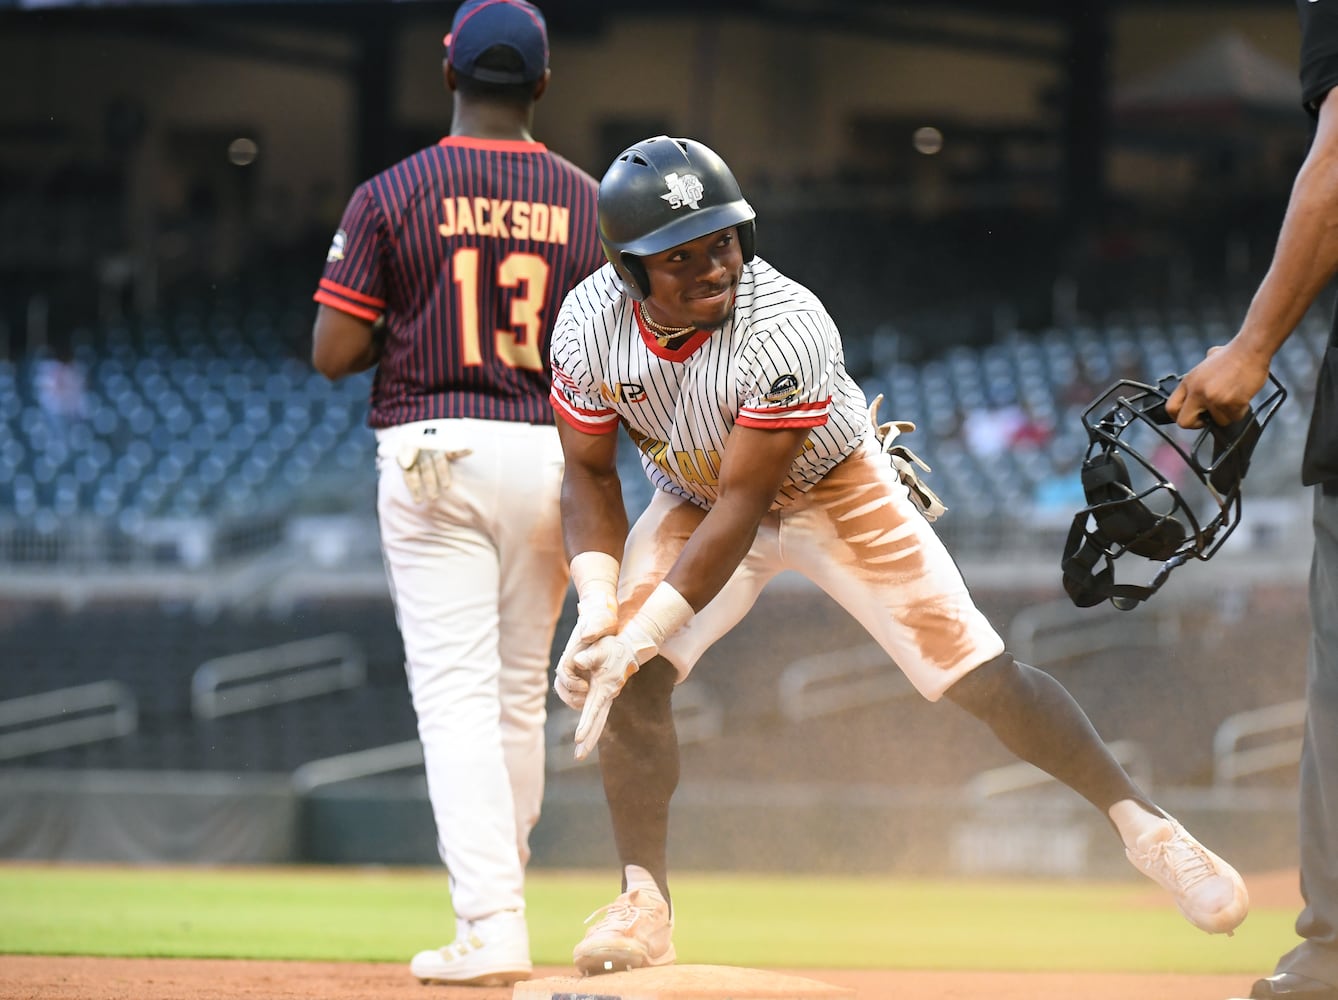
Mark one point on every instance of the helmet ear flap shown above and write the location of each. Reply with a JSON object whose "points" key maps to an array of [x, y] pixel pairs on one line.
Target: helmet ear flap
{"points": [[632, 269], [1123, 518], [748, 239]]}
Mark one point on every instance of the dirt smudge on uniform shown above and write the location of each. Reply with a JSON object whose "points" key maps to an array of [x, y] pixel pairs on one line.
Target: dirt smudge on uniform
{"points": [[671, 534], [943, 638], [886, 546], [865, 519]]}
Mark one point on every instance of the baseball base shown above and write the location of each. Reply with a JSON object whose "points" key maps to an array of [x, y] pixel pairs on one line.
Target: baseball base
{"points": [[680, 982]]}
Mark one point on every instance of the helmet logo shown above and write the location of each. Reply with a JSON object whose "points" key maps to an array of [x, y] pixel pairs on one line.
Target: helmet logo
{"points": [[684, 189]]}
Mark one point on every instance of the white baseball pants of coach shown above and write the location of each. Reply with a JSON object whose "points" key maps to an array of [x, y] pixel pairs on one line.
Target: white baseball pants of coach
{"points": [[478, 577], [858, 536]]}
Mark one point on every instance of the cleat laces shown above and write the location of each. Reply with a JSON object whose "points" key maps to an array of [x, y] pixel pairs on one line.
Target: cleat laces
{"points": [[1184, 863]]}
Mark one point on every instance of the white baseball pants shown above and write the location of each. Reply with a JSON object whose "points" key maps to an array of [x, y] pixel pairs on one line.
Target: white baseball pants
{"points": [[478, 577], [858, 536]]}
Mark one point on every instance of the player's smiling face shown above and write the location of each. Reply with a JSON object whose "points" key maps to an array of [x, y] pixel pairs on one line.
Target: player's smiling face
{"points": [[694, 283]]}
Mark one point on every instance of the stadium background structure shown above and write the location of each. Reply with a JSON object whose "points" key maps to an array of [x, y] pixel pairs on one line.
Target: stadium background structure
{"points": [[1006, 206]]}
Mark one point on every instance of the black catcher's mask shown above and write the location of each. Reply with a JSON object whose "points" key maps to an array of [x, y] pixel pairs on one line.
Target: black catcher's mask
{"points": [[1135, 506]]}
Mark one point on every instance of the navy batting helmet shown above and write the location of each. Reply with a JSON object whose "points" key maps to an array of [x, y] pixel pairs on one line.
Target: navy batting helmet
{"points": [[663, 192], [1154, 489]]}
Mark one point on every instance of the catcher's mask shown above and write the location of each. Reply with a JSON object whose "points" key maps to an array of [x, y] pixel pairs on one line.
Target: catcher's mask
{"points": [[664, 192], [1135, 505]]}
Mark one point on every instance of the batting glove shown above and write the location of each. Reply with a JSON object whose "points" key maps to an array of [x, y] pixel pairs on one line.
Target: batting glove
{"points": [[905, 461], [611, 660], [426, 464], [608, 664], [595, 575]]}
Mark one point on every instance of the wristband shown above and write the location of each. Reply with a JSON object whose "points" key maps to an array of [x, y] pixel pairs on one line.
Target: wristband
{"points": [[664, 613], [597, 571]]}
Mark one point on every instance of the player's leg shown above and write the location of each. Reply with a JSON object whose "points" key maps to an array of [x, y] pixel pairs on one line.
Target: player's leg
{"points": [[887, 567], [638, 761], [526, 523], [443, 573], [638, 752], [1314, 962]]}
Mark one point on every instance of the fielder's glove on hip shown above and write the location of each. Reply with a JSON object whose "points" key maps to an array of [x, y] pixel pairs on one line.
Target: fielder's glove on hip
{"points": [[905, 461], [426, 463]]}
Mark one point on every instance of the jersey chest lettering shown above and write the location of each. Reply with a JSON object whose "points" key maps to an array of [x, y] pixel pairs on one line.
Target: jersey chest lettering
{"points": [[517, 220], [700, 467]]}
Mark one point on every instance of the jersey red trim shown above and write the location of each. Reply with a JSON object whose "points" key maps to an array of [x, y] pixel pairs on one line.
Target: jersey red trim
{"points": [[743, 420], [652, 342], [494, 145], [344, 306], [349, 293], [586, 421]]}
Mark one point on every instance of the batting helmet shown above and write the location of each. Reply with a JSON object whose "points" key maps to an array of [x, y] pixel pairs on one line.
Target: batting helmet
{"points": [[1135, 505], [663, 192]]}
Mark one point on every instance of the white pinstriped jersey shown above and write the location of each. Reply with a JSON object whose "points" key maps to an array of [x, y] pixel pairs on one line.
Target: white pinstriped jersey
{"points": [[777, 362]]}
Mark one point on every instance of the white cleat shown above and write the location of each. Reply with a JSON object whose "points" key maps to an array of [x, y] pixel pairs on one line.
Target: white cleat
{"points": [[1208, 891], [494, 951], [635, 931]]}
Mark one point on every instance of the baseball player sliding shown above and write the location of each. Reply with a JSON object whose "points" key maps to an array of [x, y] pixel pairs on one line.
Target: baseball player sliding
{"points": [[730, 379]]}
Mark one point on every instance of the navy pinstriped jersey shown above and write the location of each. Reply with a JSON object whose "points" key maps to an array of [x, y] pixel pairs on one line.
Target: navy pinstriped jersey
{"points": [[776, 363], [466, 249]]}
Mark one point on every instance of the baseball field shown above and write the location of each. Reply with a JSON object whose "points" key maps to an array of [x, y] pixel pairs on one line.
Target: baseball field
{"points": [[151, 933]]}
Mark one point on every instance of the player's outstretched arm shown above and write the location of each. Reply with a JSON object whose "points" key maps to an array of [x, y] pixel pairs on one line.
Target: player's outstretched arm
{"points": [[594, 525], [755, 464], [593, 516]]}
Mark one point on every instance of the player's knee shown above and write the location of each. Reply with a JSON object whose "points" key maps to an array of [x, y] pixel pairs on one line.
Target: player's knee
{"points": [[981, 688], [646, 699]]}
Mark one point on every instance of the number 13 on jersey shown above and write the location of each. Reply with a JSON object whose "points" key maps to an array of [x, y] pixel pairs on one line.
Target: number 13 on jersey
{"points": [[527, 273]]}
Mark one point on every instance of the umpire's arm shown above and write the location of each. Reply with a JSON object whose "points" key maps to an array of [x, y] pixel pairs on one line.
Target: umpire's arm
{"points": [[1304, 262]]}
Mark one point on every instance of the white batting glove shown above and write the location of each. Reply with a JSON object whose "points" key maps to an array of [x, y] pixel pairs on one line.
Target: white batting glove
{"points": [[611, 660], [608, 664], [596, 618], [904, 461], [426, 464], [596, 577]]}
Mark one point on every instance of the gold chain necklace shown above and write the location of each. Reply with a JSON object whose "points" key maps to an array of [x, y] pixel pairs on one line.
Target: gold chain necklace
{"points": [[663, 334]]}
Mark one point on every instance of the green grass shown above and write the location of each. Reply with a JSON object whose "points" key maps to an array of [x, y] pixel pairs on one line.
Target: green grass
{"points": [[372, 914]]}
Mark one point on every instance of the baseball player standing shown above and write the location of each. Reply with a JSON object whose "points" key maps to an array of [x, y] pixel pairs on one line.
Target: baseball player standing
{"points": [[1222, 385], [730, 379], [446, 273]]}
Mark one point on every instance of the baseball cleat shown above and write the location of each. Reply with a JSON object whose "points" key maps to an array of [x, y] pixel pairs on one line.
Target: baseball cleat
{"points": [[1208, 891], [494, 951], [635, 931]]}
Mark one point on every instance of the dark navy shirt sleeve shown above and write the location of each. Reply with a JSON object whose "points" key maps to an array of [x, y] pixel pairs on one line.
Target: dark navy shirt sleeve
{"points": [[1319, 49]]}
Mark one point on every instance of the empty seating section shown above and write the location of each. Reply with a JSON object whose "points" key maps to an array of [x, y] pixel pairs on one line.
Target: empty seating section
{"points": [[218, 425], [216, 412]]}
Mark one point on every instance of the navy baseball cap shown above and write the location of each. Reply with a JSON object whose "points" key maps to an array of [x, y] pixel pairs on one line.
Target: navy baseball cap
{"points": [[481, 24]]}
